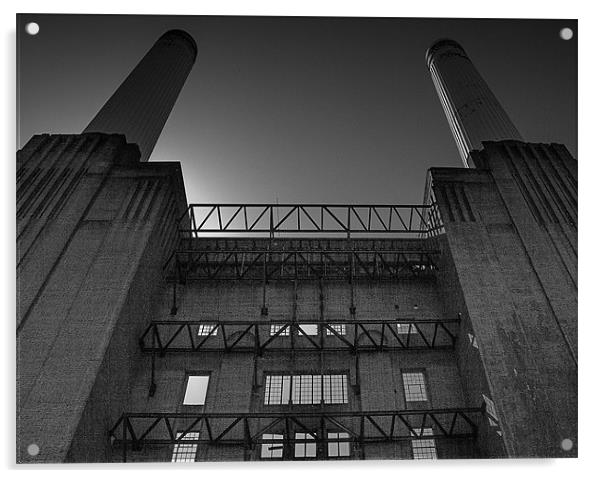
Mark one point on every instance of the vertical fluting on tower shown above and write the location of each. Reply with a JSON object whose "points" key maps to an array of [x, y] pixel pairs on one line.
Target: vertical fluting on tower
{"points": [[139, 108], [472, 110]]}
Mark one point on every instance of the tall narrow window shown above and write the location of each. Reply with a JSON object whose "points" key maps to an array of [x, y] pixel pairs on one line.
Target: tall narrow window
{"points": [[305, 449], [185, 452], [277, 389], [335, 389], [307, 389], [414, 386], [340, 329], [424, 449], [208, 329], [274, 447], [196, 390], [338, 448]]}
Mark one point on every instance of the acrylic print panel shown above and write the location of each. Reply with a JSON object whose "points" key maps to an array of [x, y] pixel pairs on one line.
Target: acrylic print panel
{"points": [[270, 238]]}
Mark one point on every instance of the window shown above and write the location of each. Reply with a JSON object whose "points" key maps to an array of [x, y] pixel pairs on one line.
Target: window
{"points": [[491, 412], [472, 340], [335, 389], [277, 389], [338, 448], [276, 328], [338, 328], [305, 449], [185, 452], [404, 329], [208, 329], [305, 389], [309, 329], [414, 386], [272, 449], [424, 449], [196, 390]]}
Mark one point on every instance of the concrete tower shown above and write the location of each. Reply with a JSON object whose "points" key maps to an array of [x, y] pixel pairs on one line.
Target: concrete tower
{"points": [[473, 112], [141, 105], [94, 225]]}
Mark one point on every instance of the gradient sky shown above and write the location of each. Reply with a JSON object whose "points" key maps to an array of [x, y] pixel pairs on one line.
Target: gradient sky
{"points": [[309, 110]]}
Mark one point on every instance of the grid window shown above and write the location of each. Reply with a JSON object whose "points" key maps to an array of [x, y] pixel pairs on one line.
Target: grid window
{"points": [[309, 329], [405, 329], [335, 388], [277, 389], [196, 390], [340, 329], [305, 449], [273, 449], [424, 449], [338, 448], [414, 386], [185, 452], [275, 328], [207, 329], [305, 389]]}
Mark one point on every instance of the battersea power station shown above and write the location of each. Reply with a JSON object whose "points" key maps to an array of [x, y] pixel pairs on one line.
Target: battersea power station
{"points": [[150, 329]]}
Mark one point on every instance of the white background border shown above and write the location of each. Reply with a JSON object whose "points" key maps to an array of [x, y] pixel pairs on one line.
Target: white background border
{"points": [[590, 109]]}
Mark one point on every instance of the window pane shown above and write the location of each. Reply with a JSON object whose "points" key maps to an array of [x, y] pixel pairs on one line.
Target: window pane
{"points": [[275, 329], [304, 449], [338, 448], [340, 329], [305, 389], [335, 388], [185, 452], [272, 449], [414, 387], [404, 329], [196, 390], [424, 449], [309, 329], [208, 329]]}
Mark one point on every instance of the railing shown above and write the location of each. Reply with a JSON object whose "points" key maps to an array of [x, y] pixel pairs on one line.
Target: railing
{"points": [[178, 336], [134, 430], [271, 219]]}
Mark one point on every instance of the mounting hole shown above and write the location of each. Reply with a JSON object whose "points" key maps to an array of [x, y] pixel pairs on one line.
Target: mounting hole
{"points": [[567, 444], [33, 449], [566, 33], [32, 28]]}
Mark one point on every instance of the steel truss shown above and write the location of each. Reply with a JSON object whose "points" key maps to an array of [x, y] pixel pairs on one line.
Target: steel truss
{"points": [[134, 430], [416, 220], [286, 336], [296, 263]]}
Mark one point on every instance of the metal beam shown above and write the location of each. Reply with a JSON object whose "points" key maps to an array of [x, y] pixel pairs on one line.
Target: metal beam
{"points": [[258, 336], [247, 429], [406, 219]]}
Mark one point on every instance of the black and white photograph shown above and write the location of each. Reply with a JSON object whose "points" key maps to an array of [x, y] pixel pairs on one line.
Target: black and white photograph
{"points": [[295, 238]]}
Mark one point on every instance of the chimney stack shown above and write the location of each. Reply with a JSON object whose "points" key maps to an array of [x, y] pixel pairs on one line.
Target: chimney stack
{"points": [[141, 105], [473, 112]]}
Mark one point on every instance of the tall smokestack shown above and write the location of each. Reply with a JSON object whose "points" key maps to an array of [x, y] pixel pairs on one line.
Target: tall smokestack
{"points": [[141, 105], [473, 112]]}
